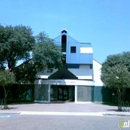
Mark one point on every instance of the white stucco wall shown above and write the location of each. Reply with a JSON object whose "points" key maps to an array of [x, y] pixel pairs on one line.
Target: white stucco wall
{"points": [[97, 73], [83, 72]]}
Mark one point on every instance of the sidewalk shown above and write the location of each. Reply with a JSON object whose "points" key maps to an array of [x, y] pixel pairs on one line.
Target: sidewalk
{"points": [[69, 108]]}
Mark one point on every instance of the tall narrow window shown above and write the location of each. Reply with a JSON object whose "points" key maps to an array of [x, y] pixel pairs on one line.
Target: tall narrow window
{"points": [[63, 41], [73, 49]]}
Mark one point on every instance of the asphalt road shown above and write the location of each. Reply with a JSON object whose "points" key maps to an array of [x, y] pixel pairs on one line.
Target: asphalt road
{"points": [[42, 122]]}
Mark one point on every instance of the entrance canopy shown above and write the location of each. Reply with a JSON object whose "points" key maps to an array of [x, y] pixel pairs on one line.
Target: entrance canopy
{"points": [[65, 82]]}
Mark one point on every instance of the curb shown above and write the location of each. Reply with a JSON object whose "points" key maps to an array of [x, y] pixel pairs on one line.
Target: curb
{"points": [[61, 113], [9, 112], [116, 114], [66, 113]]}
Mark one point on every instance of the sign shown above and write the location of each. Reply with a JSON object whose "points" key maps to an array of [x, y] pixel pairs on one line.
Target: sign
{"points": [[124, 124]]}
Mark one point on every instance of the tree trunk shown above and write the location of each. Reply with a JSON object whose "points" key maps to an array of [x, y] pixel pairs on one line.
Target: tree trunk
{"points": [[119, 99], [5, 98]]}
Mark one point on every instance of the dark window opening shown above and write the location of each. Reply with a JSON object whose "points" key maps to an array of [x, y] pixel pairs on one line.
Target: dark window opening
{"points": [[73, 49], [91, 66], [63, 31], [63, 41]]}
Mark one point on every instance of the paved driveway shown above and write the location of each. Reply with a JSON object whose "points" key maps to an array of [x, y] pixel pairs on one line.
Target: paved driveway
{"points": [[63, 107], [40, 120]]}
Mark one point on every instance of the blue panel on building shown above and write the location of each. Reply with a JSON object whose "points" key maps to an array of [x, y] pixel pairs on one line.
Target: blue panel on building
{"points": [[85, 45], [73, 50], [72, 66], [80, 59]]}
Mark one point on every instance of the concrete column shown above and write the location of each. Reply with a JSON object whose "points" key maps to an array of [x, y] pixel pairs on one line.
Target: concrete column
{"points": [[75, 93], [49, 92]]}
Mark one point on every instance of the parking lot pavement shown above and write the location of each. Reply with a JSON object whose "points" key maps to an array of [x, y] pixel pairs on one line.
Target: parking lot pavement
{"points": [[63, 107], [62, 116], [68, 108], [43, 122]]}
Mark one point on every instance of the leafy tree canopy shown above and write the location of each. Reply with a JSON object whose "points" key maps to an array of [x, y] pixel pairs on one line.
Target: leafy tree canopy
{"points": [[115, 70], [15, 44], [6, 78], [45, 54], [117, 76], [18, 43]]}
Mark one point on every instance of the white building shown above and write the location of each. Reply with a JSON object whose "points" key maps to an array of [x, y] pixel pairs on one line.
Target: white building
{"points": [[76, 80]]}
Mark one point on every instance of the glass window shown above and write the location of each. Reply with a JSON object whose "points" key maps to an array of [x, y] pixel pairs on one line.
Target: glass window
{"points": [[73, 49]]}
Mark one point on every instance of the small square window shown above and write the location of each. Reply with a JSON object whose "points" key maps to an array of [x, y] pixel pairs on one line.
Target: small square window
{"points": [[73, 49]]}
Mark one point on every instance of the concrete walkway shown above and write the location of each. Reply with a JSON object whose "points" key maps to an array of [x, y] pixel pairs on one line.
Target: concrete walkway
{"points": [[69, 108]]}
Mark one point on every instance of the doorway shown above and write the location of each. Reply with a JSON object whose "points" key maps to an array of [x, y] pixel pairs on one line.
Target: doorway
{"points": [[63, 93]]}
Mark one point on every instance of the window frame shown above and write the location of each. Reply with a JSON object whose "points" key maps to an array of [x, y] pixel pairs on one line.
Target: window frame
{"points": [[73, 49]]}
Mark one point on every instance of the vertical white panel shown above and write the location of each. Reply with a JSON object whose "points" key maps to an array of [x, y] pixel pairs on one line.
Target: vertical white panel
{"points": [[49, 92], [97, 73], [75, 93]]}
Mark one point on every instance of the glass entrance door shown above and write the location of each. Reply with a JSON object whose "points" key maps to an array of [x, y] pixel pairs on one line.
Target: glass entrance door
{"points": [[63, 93]]}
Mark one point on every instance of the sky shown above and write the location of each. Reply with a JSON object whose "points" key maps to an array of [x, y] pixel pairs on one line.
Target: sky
{"points": [[103, 23]]}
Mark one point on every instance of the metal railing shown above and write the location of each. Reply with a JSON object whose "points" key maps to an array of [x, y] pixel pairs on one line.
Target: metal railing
{"points": [[125, 106]]}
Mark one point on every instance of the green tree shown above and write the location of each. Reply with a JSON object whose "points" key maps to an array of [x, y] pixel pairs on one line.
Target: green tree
{"points": [[115, 73], [17, 43], [45, 54], [6, 78]]}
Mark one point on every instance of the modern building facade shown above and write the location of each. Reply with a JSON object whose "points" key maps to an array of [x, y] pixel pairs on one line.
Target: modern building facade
{"points": [[77, 80]]}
